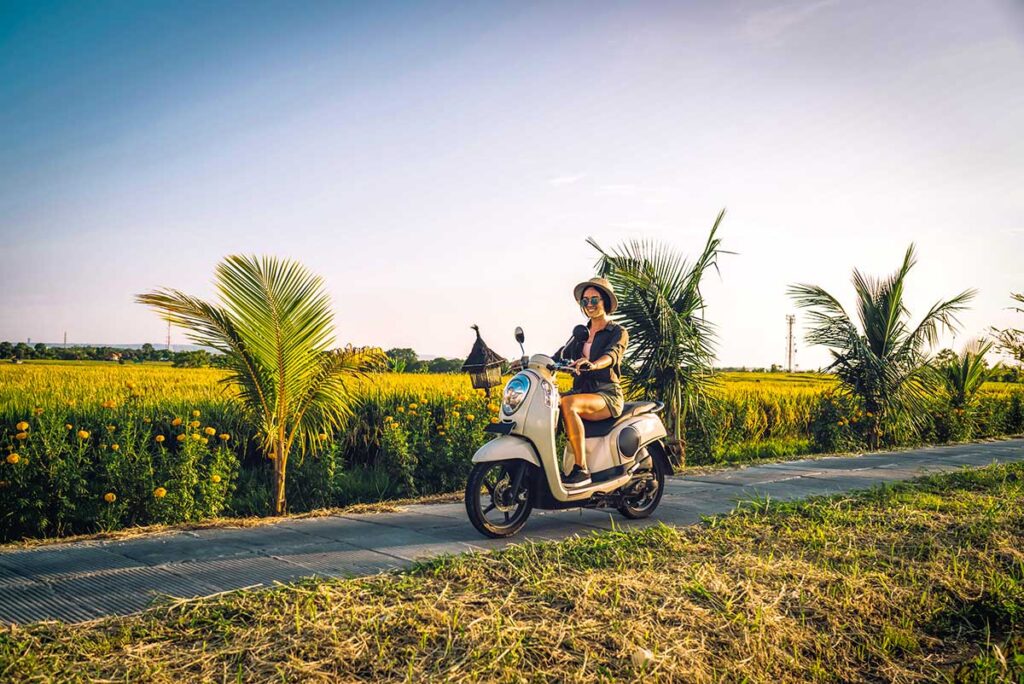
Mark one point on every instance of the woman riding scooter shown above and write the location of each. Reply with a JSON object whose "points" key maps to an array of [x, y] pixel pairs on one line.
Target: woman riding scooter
{"points": [[596, 393]]}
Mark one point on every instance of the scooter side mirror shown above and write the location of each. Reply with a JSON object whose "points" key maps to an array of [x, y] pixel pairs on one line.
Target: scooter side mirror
{"points": [[580, 333], [520, 337]]}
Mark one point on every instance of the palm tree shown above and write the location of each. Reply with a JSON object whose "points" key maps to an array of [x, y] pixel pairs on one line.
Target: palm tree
{"points": [[883, 361], [1010, 341], [962, 375], [671, 345], [275, 327]]}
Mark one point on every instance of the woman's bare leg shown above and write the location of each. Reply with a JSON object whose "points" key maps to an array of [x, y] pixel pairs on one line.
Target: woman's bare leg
{"points": [[576, 408]]}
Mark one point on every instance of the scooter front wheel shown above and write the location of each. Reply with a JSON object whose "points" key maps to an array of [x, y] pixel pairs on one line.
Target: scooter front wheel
{"points": [[492, 505]]}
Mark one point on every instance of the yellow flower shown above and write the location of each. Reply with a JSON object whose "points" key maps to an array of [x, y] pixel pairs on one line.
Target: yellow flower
{"points": [[111, 428], [38, 411], [470, 417], [180, 438], [110, 497], [322, 436], [869, 414], [21, 435], [159, 492], [413, 406], [209, 430], [481, 393], [159, 438], [115, 447], [492, 407], [194, 424], [224, 436], [176, 422], [130, 385], [215, 478], [462, 397], [440, 432], [412, 413], [68, 426], [494, 419], [195, 414], [840, 422], [388, 419], [13, 458], [206, 440], [455, 414], [108, 404], [22, 426], [401, 409], [196, 437], [83, 434]]}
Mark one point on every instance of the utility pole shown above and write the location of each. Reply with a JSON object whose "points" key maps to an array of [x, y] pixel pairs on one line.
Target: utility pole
{"points": [[790, 319], [168, 336], [65, 339]]}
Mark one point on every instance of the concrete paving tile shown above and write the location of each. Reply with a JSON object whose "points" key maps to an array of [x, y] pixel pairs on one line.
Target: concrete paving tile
{"points": [[176, 548], [63, 560], [342, 560]]}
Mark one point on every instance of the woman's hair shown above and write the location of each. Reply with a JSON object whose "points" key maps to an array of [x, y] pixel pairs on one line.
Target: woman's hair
{"points": [[604, 297]]}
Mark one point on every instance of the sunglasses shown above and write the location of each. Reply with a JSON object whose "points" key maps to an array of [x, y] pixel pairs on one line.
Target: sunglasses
{"points": [[589, 301]]}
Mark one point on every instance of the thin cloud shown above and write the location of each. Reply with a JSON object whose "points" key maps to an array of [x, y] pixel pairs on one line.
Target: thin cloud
{"points": [[770, 24], [565, 180]]}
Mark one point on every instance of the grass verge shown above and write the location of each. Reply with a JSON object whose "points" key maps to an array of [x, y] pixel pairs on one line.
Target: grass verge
{"points": [[920, 581]]}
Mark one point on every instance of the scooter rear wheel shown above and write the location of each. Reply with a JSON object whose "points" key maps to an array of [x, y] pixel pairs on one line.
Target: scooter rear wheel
{"points": [[644, 503], [493, 508]]}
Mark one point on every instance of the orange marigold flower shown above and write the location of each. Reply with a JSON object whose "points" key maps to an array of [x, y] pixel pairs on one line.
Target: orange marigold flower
{"points": [[414, 406], [194, 424], [110, 497], [322, 436], [13, 458], [159, 492], [108, 404], [224, 436], [68, 426], [159, 438], [470, 417], [115, 447], [83, 434], [22, 426], [195, 414], [176, 422], [196, 437], [180, 438], [21, 435], [210, 431], [215, 478]]}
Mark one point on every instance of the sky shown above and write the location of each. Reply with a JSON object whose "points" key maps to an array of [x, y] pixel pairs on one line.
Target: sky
{"points": [[442, 164]]}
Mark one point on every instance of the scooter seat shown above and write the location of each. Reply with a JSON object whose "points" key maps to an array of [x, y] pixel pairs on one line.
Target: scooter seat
{"points": [[601, 428]]}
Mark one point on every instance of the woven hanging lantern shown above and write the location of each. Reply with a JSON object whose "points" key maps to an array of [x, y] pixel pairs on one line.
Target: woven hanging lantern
{"points": [[483, 365]]}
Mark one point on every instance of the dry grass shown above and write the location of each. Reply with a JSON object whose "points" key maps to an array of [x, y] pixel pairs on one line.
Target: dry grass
{"points": [[912, 582]]}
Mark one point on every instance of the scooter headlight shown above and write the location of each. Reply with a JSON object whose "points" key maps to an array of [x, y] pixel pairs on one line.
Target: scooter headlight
{"points": [[515, 393]]}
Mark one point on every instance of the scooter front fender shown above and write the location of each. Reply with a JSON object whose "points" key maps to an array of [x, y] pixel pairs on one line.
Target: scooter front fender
{"points": [[507, 447]]}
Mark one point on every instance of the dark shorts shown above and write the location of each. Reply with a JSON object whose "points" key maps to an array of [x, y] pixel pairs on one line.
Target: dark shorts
{"points": [[611, 393]]}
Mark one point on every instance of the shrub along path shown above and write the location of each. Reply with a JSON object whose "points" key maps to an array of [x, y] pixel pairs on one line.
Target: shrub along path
{"points": [[85, 580]]}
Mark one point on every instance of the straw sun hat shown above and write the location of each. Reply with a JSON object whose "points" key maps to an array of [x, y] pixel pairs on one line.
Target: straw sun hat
{"points": [[601, 284]]}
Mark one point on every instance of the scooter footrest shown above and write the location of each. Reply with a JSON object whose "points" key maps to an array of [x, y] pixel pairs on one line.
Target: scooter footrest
{"points": [[608, 474]]}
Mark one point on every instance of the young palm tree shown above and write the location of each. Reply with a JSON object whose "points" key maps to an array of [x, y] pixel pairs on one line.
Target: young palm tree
{"points": [[1010, 341], [671, 346], [275, 327], [962, 375], [883, 361]]}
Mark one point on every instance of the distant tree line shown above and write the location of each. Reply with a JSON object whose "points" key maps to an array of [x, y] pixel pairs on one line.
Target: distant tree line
{"points": [[405, 360], [184, 359]]}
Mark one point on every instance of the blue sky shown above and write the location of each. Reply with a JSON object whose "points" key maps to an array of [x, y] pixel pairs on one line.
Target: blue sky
{"points": [[441, 164]]}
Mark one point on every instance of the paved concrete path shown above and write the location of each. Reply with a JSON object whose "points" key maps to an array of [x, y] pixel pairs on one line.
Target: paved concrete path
{"points": [[84, 580]]}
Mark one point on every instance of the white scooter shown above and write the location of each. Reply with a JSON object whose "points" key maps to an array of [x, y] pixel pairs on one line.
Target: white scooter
{"points": [[520, 469]]}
